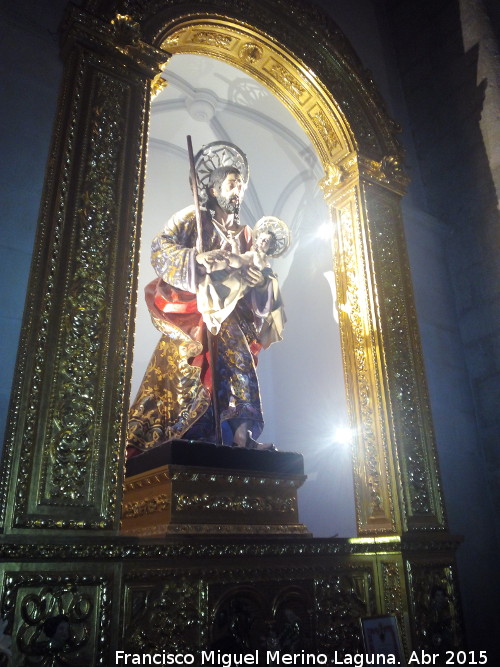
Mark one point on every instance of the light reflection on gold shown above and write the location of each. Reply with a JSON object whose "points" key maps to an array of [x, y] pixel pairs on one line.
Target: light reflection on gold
{"points": [[384, 539]]}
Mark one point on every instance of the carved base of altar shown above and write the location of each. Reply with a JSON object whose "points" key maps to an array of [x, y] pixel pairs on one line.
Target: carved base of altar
{"points": [[223, 595], [185, 487]]}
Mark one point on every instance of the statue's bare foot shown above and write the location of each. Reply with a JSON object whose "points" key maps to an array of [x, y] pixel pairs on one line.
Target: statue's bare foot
{"points": [[256, 446], [260, 446], [244, 440]]}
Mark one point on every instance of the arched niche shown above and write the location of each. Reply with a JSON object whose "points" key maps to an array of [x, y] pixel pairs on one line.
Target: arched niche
{"points": [[64, 456], [303, 374]]}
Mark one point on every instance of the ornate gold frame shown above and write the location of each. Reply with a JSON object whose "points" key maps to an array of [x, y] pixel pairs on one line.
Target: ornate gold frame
{"points": [[63, 457]]}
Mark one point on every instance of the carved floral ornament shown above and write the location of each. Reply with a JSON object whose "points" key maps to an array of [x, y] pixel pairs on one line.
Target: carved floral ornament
{"points": [[126, 30]]}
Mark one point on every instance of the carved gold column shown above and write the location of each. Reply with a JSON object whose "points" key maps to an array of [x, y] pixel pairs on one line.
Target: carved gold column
{"points": [[395, 467], [63, 451]]}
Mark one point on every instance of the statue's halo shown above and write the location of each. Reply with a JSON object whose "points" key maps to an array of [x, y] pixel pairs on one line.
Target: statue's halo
{"points": [[218, 154]]}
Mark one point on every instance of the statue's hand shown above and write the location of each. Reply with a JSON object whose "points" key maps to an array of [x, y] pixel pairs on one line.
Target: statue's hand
{"points": [[212, 259], [252, 276]]}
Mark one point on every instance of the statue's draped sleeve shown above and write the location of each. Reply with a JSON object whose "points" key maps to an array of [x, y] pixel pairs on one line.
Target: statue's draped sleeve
{"points": [[268, 311], [173, 254]]}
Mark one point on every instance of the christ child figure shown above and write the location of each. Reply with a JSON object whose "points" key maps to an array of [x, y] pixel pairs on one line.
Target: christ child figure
{"points": [[224, 283]]}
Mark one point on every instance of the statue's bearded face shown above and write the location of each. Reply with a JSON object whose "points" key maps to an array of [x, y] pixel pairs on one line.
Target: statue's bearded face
{"points": [[230, 193]]}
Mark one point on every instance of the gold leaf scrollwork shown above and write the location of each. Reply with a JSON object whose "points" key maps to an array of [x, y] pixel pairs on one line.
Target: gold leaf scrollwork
{"points": [[158, 84], [69, 449], [127, 31], [325, 129], [392, 589], [333, 178], [148, 506], [392, 166], [167, 616], [390, 170], [287, 80], [354, 309], [71, 441], [341, 601], [251, 53], [55, 621], [436, 607], [399, 351], [212, 38], [206, 502], [175, 39]]}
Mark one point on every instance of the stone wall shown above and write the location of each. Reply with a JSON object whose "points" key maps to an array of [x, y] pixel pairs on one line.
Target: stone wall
{"points": [[31, 72], [445, 97]]}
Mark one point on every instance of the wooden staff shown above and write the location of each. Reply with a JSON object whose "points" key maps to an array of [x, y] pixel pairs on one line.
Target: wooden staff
{"points": [[211, 338], [194, 184]]}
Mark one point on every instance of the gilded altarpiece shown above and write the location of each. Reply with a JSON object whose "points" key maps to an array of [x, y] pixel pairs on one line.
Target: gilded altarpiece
{"points": [[63, 467]]}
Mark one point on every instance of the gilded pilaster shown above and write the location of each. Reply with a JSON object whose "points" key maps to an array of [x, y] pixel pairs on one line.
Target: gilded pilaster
{"points": [[434, 599], [377, 508], [394, 594], [413, 453], [395, 468], [65, 435], [341, 600]]}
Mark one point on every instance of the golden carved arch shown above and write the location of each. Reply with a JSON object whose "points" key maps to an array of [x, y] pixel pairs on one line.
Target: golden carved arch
{"points": [[254, 53], [64, 458]]}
